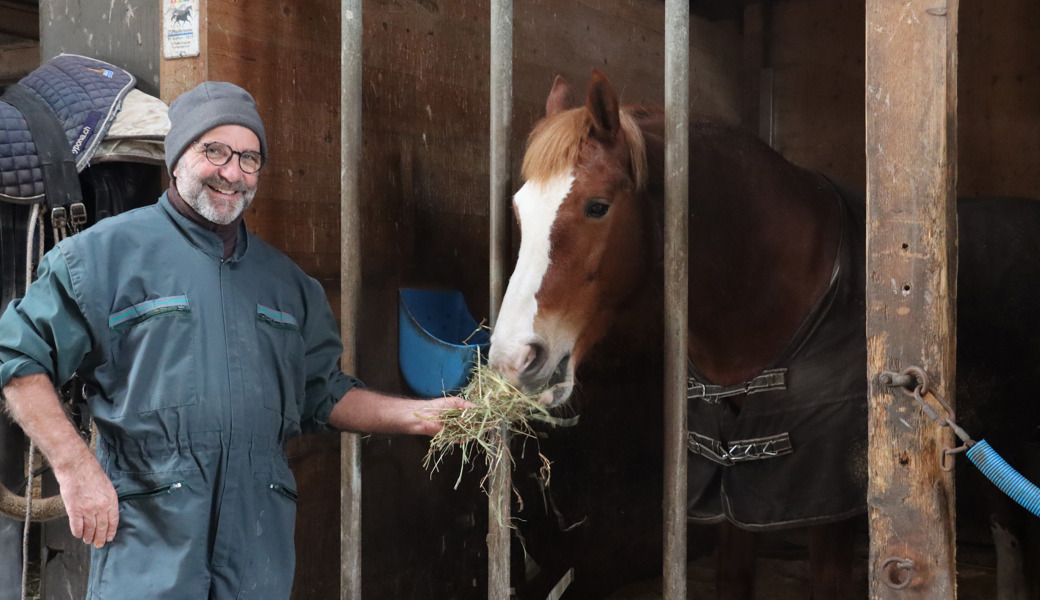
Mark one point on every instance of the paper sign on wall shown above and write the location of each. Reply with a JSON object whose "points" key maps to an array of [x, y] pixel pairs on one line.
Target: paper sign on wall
{"points": [[180, 28]]}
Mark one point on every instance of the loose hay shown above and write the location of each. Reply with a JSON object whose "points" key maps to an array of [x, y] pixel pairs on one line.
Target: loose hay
{"points": [[498, 407]]}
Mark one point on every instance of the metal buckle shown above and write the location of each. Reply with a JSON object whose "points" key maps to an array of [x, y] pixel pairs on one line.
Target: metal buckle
{"points": [[59, 219], [77, 216], [773, 379], [696, 389]]}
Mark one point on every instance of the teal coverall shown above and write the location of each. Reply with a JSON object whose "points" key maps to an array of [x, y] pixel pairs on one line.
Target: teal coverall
{"points": [[199, 370]]}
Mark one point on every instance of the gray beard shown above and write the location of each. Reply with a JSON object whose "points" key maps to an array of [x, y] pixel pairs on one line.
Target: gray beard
{"points": [[194, 192]]}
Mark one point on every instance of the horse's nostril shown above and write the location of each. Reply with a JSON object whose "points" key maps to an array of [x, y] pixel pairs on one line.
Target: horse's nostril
{"points": [[536, 353]]}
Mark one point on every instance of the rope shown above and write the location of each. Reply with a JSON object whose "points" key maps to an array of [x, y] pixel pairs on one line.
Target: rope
{"points": [[28, 522], [34, 217]]}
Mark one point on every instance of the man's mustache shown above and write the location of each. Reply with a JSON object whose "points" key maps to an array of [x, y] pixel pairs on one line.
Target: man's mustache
{"points": [[219, 182]]}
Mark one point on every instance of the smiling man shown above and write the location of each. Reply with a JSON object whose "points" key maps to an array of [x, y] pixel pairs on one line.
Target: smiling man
{"points": [[203, 350]]}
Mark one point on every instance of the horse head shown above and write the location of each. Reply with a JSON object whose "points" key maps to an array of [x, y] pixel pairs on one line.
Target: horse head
{"points": [[584, 250]]}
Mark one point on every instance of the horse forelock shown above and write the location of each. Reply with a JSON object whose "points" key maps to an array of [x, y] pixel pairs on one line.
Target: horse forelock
{"points": [[555, 143]]}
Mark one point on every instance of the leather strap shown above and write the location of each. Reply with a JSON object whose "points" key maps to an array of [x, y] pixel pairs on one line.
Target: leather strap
{"points": [[61, 180]]}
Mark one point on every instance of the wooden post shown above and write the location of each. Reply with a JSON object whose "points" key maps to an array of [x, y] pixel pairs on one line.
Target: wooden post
{"points": [[911, 102]]}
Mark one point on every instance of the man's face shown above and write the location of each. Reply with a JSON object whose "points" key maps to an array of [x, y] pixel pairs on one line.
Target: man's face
{"points": [[219, 193]]}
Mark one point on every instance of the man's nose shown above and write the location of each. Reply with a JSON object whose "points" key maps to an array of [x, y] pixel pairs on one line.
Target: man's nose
{"points": [[231, 171]]}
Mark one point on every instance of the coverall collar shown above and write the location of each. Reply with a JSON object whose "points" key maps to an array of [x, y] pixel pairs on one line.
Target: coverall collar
{"points": [[228, 233], [202, 237]]}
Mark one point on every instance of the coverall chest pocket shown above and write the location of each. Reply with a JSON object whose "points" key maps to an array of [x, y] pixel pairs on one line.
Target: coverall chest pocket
{"points": [[281, 361], [153, 350]]}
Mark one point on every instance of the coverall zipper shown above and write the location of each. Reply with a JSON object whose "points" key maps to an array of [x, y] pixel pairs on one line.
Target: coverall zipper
{"points": [[159, 490]]}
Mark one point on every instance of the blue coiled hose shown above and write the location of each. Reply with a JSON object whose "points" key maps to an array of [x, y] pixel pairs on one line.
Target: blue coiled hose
{"points": [[1006, 478]]}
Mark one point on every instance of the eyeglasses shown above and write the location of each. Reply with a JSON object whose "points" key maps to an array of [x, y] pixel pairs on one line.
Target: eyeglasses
{"points": [[219, 154]]}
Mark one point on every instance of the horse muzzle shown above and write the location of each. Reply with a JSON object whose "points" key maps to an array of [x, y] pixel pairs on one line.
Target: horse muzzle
{"points": [[528, 367]]}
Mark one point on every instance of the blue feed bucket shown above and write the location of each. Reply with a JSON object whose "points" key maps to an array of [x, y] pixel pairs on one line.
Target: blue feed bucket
{"points": [[439, 341]]}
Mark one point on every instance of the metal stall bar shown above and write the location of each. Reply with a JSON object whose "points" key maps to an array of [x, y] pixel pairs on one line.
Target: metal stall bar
{"points": [[501, 97], [911, 102], [676, 234], [350, 286]]}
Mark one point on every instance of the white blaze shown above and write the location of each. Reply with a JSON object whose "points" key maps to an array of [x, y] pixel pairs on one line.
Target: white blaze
{"points": [[536, 203]]}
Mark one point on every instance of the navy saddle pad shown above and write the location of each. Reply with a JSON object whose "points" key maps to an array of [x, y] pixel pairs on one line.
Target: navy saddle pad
{"points": [[83, 94]]}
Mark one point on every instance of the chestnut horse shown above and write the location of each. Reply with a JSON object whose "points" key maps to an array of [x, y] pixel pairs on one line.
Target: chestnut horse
{"points": [[777, 357]]}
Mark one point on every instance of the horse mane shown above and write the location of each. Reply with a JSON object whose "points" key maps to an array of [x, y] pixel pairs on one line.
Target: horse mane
{"points": [[554, 143]]}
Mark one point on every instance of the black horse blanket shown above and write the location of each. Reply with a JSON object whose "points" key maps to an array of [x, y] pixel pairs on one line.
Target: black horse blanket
{"points": [[796, 453]]}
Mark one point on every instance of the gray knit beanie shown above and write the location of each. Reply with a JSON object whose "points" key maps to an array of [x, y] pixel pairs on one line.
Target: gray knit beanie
{"points": [[211, 104]]}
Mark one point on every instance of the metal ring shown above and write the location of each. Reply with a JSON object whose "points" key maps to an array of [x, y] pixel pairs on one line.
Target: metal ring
{"points": [[891, 577], [922, 380]]}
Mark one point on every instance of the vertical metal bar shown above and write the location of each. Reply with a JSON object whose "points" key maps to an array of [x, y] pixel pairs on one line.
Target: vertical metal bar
{"points": [[501, 95], [350, 286], [911, 148], [501, 98], [676, 233]]}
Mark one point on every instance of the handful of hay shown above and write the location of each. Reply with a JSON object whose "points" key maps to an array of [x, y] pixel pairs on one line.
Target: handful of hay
{"points": [[498, 407]]}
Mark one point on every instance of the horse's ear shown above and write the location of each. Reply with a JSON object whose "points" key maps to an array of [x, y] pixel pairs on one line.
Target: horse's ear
{"points": [[602, 103], [559, 97]]}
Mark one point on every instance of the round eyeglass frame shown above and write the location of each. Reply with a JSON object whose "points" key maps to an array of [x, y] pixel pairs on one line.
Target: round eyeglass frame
{"points": [[205, 152]]}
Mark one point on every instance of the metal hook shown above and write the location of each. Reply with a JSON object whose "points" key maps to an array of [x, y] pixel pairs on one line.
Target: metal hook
{"points": [[947, 465]]}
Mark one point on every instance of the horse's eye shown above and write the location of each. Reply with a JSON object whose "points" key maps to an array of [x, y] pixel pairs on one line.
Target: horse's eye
{"points": [[596, 209]]}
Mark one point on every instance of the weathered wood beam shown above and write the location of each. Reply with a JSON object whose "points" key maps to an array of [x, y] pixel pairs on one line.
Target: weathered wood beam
{"points": [[911, 102]]}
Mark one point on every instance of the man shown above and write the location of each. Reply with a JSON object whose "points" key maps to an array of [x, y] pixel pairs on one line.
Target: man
{"points": [[203, 350]]}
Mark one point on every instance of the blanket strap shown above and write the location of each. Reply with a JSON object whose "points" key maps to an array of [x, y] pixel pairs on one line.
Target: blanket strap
{"points": [[728, 454], [772, 379], [61, 180]]}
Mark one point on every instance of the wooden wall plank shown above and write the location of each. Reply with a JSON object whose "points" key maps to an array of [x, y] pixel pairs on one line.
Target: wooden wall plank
{"points": [[817, 52], [999, 92], [284, 53]]}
